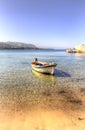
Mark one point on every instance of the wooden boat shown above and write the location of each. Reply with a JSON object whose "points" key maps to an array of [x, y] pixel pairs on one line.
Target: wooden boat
{"points": [[44, 67]]}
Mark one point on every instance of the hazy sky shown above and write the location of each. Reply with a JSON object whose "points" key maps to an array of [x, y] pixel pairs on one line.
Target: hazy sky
{"points": [[50, 23]]}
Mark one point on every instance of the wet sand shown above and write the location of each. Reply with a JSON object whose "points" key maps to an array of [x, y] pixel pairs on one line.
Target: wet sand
{"points": [[49, 110]]}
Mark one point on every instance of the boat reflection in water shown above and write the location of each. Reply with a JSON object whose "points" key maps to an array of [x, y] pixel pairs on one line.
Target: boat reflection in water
{"points": [[45, 78]]}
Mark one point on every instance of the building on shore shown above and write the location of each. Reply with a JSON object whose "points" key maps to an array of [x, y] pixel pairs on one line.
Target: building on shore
{"points": [[80, 48], [77, 49]]}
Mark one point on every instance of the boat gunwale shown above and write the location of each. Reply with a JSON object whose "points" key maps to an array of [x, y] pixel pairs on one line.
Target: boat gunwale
{"points": [[43, 66]]}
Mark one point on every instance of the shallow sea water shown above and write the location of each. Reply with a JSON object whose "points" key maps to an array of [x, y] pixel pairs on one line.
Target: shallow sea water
{"points": [[22, 89]]}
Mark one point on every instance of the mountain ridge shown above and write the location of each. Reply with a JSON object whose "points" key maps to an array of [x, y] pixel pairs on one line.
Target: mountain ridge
{"points": [[17, 45]]}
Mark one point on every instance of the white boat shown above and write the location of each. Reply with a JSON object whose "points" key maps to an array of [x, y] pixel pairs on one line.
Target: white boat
{"points": [[44, 67]]}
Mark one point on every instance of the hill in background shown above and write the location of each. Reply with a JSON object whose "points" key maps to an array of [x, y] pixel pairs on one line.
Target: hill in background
{"points": [[16, 45]]}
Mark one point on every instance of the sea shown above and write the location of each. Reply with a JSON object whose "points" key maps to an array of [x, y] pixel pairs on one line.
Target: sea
{"points": [[22, 89]]}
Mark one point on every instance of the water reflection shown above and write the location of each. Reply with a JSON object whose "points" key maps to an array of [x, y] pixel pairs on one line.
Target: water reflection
{"points": [[51, 79], [80, 54]]}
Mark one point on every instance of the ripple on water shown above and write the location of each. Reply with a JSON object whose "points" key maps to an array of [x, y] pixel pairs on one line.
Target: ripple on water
{"points": [[21, 91]]}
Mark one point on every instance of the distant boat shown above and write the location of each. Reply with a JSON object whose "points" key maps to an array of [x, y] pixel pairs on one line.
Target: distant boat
{"points": [[44, 67]]}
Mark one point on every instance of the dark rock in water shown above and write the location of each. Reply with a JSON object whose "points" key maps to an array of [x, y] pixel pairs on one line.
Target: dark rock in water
{"points": [[46, 93], [77, 101], [61, 92], [82, 90]]}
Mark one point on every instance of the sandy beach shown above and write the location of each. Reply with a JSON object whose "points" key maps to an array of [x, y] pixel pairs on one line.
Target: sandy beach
{"points": [[50, 112], [44, 120]]}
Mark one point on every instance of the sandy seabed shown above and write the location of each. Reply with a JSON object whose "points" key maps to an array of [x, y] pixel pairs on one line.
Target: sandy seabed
{"points": [[45, 108]]}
